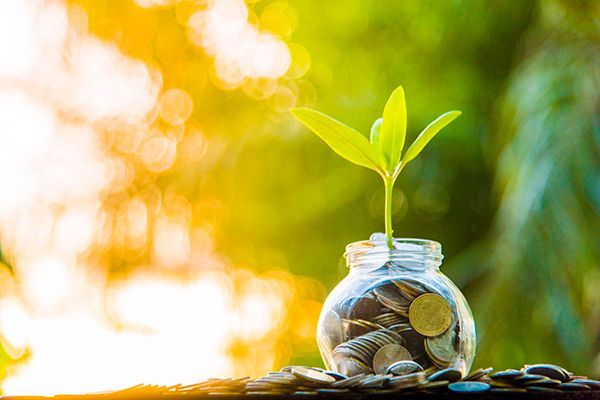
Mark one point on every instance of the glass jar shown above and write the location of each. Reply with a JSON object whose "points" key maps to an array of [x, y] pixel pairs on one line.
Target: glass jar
{"points": [[395, 312]]}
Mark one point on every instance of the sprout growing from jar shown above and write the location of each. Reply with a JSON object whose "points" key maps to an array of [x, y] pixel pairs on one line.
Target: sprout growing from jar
{"points": [[383, 153]]}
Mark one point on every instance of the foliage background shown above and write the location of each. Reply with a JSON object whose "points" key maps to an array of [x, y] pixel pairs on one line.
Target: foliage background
{"points": [[511, 189]]}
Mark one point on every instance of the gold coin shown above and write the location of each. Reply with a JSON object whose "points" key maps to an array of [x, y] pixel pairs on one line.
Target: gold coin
{"points": [[430, 315]]}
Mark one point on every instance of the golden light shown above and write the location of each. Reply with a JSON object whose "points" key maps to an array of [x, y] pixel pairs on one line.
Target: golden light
{"points": [[240, 49], [86, 131]]}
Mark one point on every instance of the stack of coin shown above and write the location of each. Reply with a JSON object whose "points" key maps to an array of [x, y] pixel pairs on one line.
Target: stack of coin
{"points": [[356, 355], [402, 312]]}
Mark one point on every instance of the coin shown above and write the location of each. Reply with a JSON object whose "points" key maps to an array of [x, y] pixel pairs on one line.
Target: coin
{"points": [[387, 355], [500, 384], [588, 382], [508, 374], [350, 382], [410, 289], [477, 374], [403, 367], [390, 297], [414, 341], [569, 386], [364, 307], [546, 382], [350, 366], [390, 319], [329, 391], [540, 389], [431, 385], [430, 314], [448, 374], [528, 378], [508, 390], [406, 381], [469, 387], [549, 370], [441, 349], [335, 375], [373, 381], [332, 325], [305, 381], [312, 375]]}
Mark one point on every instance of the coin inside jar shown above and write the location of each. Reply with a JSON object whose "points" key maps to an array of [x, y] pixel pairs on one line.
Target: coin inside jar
{"points": [[440, 349], [430, 314], [387, 355], [403, 367], [332, 324]]}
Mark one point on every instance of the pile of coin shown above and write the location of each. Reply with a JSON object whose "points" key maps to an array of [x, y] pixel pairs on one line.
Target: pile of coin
{"points": [[399, 320], [298, 380]]}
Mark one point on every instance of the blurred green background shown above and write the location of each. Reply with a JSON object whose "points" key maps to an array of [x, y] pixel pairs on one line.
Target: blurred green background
{"points": [[511, 189]]}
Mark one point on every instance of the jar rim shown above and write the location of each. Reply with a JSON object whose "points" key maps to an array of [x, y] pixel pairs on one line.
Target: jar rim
{"points": [[424, 250], [432, 244]]}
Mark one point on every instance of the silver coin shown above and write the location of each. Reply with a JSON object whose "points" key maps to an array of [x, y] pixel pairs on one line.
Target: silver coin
{"points": [[312, 375], [387, 355], [448, 374], [403, 367], [549, 370], [469, 387]]}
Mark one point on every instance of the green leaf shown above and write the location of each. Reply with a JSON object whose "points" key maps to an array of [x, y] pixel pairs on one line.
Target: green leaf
{"points": [[393, 128], [347, 142], [428, 133], [375, 129]]}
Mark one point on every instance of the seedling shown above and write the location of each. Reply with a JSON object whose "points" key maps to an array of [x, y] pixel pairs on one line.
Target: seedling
{"points": [[383, 152]]}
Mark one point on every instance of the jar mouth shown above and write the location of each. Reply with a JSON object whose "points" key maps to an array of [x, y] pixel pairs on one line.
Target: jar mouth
{"points": [[412, 253]]}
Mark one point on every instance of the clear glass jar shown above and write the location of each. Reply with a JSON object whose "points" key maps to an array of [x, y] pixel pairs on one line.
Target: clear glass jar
{"points": [[395, 306]]}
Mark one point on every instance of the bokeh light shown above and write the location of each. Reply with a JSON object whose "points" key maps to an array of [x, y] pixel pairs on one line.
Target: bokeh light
{"points": [[114, 278]]}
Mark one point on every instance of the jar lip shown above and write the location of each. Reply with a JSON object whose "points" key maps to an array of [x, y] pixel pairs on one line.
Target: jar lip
{"points": [[426, 244], [418, 253]]}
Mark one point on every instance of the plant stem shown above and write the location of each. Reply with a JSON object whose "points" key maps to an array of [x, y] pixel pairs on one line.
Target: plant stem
{"points": [[389, 186]]}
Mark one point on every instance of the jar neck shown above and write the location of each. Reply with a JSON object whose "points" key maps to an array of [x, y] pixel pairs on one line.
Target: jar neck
{"points": [[410, 254]]}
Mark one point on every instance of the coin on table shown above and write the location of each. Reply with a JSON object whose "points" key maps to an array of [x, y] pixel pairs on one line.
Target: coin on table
{"points": [[430, 314], [546, 382], [594, 384], [312, 375], [569, 386], [429, 386], [478, 374], [350, 382], [448, 374], [387, 355], [336, 375], [507, 375], [469, 387], [548, 370], [406, 381]]}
